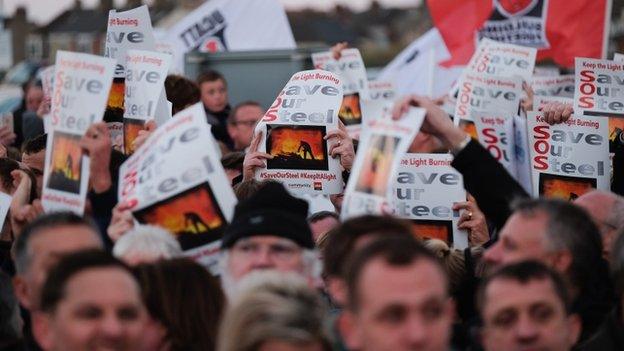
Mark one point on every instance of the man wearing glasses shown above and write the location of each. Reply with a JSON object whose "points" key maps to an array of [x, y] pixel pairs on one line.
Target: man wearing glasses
{"points": [[269, 231], [241, 123]]}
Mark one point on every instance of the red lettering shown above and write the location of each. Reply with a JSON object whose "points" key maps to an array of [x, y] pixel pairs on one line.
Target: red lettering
{"points": [[587, 76], [489, 136], [541, 163], [586, 102]]}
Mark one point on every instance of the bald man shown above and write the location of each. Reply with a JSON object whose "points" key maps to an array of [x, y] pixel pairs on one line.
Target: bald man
{"points": [[607, 211]]}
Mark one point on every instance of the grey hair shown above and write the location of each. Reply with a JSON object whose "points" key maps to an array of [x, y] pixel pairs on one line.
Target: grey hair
{"points": [[569, 227], [273, 306], [148, 240]]}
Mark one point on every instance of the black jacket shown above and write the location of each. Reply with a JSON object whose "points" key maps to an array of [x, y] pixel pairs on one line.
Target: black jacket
{"points": [[610, 336]]}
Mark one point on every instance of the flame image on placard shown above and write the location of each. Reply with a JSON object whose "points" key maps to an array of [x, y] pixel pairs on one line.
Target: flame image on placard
{"points": [[131, 129], [117, 93], [564, 187], [192, 212], [470, 128], [350, 112], [65, 163], [431, 229], [377, 165], [296, 147]]}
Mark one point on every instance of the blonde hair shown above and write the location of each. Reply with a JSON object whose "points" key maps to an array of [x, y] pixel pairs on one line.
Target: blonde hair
{"points": [[452, 260], [273, 306]]}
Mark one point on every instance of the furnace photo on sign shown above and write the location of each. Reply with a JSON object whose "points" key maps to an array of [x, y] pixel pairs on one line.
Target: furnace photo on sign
{"points": [[65, 163], [193, 216], [297, 147], [616, 132], [116, 94], [131, 129], [469, 127], [564, 187], [350, 112], [375, 172], [433, 229]]}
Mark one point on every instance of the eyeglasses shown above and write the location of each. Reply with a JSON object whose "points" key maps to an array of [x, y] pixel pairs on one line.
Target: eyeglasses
{"points": [[245, 123], [279, 251]]}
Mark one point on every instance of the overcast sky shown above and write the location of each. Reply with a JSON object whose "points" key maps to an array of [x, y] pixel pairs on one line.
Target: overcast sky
{"points": [[42, 11]]}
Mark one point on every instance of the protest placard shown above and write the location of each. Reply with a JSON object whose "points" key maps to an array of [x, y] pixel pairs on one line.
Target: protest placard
{"points": [[144, 84], [539, 102], [381, 90], [294, 131], [126, 30], [81, 83], [482, 92], [424, 191], [599, 87], [495, 131], [352, 73], [5, 204], [568, 159], [47, 81], [175, 180], [561, 86], [225, 25], [546, 71], [523, 160], [383, 143], [501, 59]]}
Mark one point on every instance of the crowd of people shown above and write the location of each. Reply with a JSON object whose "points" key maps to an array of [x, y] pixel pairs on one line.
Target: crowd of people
{"points": [[539, 274]]}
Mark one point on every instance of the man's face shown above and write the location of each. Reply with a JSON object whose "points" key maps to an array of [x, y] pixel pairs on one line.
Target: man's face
{"points": [[101, 310], [214, 95], [522, 238], [527, 316], [34, 96], [599, 204], [46, 247], [242, 128], [264, 252], [401, 308]]}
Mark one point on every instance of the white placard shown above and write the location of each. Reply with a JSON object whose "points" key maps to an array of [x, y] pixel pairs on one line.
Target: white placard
{"points": [[424, 191], [352, 73], [81, 85], [568, 159], [599, 87], [560, 86], [175, 180], [383, 143], [294, 131]]}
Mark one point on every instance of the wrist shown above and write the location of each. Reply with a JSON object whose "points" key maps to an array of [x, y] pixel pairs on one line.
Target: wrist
{"points": [[454, 138]]}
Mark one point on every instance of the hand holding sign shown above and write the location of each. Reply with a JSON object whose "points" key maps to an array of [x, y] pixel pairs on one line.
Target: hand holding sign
{"points": [[336, 50], [254, 158], [343, 146], [527, 102], [22, 215], [556, 112], [437, 123], [7, 137], [148, 129], [473, 220], [121, 221], [97, 144]]}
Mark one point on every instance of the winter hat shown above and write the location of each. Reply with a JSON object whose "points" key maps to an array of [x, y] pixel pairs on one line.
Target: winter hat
{"points": [[270, 211]]}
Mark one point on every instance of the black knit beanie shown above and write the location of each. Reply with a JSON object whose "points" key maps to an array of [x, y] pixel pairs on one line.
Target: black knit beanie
{"points": [[270, 211]]}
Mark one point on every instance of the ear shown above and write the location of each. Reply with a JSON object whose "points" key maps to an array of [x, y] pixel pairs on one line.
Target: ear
{"points": [[22, 292], [349, 330], [561, 261], [41, 328], [574, 325]]}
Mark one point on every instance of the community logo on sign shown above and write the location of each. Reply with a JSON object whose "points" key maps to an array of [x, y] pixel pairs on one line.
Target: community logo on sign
{"points": [[522, 22]]}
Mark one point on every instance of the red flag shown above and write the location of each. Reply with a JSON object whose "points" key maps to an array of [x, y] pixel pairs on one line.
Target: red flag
{"points": [[560, 29]]}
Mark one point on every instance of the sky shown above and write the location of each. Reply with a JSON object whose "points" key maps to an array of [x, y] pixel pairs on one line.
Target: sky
{"points": [[42, 11]]}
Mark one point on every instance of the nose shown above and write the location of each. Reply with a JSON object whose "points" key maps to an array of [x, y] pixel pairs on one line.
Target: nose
{"points": [[111, 327], [415, 333], [527, 332], [262, 259]]}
